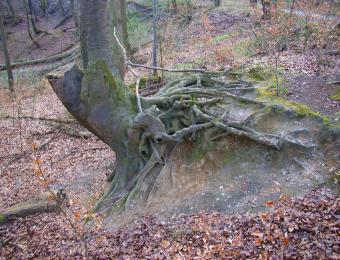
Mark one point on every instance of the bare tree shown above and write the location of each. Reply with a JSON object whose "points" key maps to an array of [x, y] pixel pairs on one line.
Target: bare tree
{"points": [[253, 3], [218, 3], [125, 34], [266, 7], [28, 23], [173, 7], [154, 35], [5, 52], [74, 10], [12, 11]]}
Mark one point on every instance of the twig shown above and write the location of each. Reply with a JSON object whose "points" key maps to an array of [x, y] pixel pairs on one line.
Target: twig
{"points": [[139, 105], [129, 63], [55, 120], [166, 69]]}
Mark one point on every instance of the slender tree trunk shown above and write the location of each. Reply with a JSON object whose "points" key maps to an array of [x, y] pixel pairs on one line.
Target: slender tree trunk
{"points": [[31, 18], [11, 9], [173, 8], [217, 3], [61, 7], [5, 52], [28, 24], [266, 7], [292, 8], [253, 3], [154, 35], [124, 27], [74, 13]]}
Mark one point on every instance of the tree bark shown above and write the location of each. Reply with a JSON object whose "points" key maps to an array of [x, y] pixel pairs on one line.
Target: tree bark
{"points": [[98, 98], [6, 55], [154, 35], [97, 20]]}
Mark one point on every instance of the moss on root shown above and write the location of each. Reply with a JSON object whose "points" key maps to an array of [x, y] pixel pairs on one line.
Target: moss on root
{"points": [[3, 219], [302, 110]]}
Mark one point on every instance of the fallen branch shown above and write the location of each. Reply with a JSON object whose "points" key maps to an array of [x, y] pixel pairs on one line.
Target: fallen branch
{"points": [[50, 59], [55, 120], [41, 204], [63, 20]]}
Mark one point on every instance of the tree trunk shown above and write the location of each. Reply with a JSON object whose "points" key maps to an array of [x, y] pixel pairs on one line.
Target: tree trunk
{"points": [[154, 35], [217, 3], [173, 7], [28, 24], [125, 34], [253, 3], [74, 13], [292, 8], [98, 98], [266, 7], [11, 9], [97, 41], [61, 7], [31, 18], [5, 52]]}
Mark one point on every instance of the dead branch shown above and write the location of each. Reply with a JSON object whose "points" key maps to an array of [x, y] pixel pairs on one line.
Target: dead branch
{"points": [[50, 59], [54, 120]]}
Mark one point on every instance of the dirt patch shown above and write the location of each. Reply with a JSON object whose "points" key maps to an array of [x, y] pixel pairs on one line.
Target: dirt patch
{"points": [[20, 47], [315, 92], [224, 22]]}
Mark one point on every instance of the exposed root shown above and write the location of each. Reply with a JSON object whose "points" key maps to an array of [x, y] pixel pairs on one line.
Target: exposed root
{"points": [[183, 109]]}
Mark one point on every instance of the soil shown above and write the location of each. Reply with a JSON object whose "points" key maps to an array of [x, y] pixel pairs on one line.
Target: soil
{"points": [[315, 92], [53, 41]]}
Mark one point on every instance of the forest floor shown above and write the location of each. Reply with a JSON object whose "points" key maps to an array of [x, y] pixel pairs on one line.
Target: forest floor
{"points": [[74, 160]]}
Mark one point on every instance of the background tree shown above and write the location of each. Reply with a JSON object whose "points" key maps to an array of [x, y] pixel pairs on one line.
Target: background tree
{"points": [[253, 3], [31, 19], [5, 52], [154, 35], [29, 23], [173, 7], [218, 3], [125, 34], [266, 7], [12, 11]]}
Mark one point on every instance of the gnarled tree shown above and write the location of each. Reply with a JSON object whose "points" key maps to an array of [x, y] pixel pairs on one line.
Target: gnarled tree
{"points": [[196, 131]]}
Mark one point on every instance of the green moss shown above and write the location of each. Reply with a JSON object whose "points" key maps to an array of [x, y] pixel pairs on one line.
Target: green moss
{"points": [[222, 37], [117, 91], [119, 205], [144, 81], [335, 97], [243, 48], [200, 149], [3, 219], [302, 110]]}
